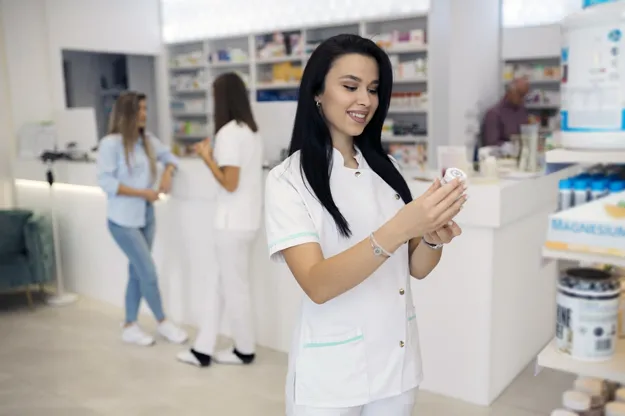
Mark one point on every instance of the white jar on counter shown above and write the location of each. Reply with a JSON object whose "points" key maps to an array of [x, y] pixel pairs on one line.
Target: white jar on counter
{"points": [[587, 313]]}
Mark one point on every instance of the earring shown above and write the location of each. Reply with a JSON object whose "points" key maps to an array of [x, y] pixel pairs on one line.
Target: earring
{"points": [[318, 104]]}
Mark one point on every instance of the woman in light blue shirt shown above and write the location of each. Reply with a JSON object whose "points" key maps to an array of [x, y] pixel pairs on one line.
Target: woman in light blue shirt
{"points": [[127, 169]]}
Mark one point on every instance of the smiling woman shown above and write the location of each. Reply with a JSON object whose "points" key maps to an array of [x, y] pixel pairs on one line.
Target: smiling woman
{"points": [[340, 214]]}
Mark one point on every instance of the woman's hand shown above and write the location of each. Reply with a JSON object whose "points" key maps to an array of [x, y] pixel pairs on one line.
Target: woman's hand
{"points": [[150, 195], [432, 210], [166, 179], [204, 149], [443, 235]]}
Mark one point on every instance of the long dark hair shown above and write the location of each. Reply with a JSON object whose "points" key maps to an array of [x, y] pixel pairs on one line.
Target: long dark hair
{"points": [[311, 135], [232, 102]]}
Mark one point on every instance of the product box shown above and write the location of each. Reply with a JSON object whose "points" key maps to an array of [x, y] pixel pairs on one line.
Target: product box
{"points": [[597, 227]]}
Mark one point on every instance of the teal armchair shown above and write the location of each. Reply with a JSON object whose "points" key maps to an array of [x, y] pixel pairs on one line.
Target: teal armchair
{"points": [[26, 251]]}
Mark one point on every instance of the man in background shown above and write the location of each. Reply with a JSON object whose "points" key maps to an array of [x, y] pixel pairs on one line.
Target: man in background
{"points": [[506, 117]]}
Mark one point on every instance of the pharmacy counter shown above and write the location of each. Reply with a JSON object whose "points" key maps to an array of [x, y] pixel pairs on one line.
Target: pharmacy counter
{"points": [[481, 313]]}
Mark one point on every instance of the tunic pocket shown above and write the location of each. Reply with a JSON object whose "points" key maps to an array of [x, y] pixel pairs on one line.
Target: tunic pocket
{"points": [[331, 371]]}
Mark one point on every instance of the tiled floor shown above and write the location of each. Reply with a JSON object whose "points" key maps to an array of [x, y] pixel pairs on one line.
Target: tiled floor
{"points": [[69, 362]]}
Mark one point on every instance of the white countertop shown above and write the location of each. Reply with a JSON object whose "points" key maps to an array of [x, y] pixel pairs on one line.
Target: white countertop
{"points": [[491, 205]]}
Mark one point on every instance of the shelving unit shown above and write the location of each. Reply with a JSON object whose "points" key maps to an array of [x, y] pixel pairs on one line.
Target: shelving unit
{"points": [[613, 370], [543, 100], [586, 157], [272, 64], [587, 233]]}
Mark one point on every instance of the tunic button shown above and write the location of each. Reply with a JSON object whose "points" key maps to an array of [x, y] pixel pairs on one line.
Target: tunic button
{"points": [[357, 174], [401, 344], [401, 291], [396, 196]]}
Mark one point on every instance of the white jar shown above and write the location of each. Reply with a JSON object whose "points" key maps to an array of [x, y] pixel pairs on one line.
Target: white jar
{"points": [[587, 313], [619, 396], [596, 389], [577, 402], [592, 62], [615, 409], [562, 412]]}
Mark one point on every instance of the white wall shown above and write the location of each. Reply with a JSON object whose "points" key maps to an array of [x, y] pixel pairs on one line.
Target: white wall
{"points": [[197, 19], [531, 42], [36, 31], [6, 134], [142, 78]]}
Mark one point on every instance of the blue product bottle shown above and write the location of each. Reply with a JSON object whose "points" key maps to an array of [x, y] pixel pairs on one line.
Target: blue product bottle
{"points": [[598, 188], [617, 186], [565, 194], [580, 192]]}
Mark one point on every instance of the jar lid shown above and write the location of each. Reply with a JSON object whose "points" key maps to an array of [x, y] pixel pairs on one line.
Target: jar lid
{"points": [[591, 386], [562, 412], [615, 409], [589, 279], [576, 400]]}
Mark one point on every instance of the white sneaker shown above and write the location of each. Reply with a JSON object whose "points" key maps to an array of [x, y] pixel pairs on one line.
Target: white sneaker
{"points": [[133, 334], [172, 333]]}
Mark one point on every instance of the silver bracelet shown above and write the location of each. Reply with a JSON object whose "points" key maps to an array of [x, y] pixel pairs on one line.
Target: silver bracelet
{"points": [[378, 250], [430, 245]]}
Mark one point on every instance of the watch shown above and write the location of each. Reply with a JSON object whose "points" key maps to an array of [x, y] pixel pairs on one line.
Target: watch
{"points": [[430, 245]]}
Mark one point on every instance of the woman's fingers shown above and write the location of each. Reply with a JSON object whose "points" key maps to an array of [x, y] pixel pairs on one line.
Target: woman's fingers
{"points": [[451, 211], [450, 199], [455, 229], [442, 192], [435, 186]]}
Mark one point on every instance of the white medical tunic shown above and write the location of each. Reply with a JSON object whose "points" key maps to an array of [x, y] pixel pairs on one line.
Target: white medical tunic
{"points": [[363, 345]]}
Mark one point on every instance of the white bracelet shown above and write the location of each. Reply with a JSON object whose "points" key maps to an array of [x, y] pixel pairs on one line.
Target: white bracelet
{"points": [[378, 250]]}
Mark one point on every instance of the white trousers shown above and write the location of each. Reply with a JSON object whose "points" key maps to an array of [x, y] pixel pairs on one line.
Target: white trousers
{"points": [[233, 289], [401, 405]]}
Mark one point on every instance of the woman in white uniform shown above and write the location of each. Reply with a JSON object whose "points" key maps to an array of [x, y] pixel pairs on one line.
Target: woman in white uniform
{"points": [[237, 167], [339, 212]]}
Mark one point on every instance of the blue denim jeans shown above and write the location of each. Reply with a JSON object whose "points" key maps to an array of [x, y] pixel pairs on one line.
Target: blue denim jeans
{"points": [[136, 243]]}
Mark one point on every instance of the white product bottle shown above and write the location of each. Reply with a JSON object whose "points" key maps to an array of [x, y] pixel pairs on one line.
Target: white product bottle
{"points": [[565, 194], [580, 192], [593, 116]]}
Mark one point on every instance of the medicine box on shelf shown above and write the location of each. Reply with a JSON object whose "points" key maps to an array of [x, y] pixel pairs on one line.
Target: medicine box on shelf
{"points": [[596, 228]]}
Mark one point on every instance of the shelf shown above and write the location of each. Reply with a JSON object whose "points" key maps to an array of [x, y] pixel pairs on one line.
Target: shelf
{"points": [[411, 80], [189, 113], [408, 48], [585, 156], [584, 257], [538, 81], [542, 106], [193, 137], [398, 110], [187, 68], [279, 59], [404, 139], [189, 91], [613, 370], [229, 64], [278, 86]]}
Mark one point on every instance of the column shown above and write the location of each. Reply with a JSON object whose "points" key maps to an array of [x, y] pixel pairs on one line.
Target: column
{"points": [[464, 68]]}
